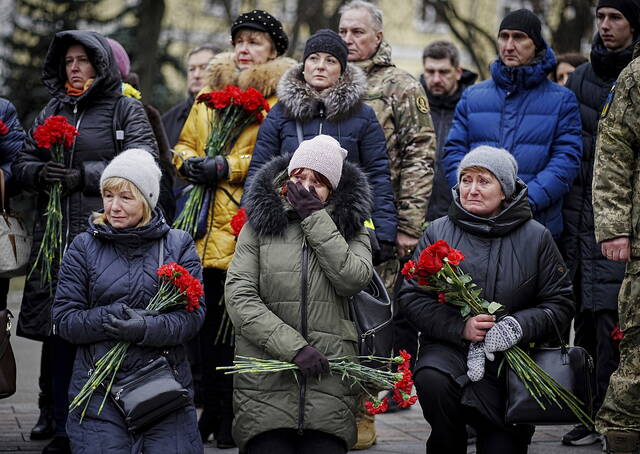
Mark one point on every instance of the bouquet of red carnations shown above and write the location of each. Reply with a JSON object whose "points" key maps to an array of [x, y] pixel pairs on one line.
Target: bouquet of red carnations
{"points": [[437, 270], [178, 288], [230, 111], [350, 369], [55, 134]]}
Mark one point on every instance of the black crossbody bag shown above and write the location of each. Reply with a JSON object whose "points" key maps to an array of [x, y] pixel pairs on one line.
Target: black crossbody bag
{"points": [[569, 366], [150, 393]]}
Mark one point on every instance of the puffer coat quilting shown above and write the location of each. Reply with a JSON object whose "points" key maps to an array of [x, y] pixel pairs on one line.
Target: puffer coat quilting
{"points": [[93, 115], [263, 299]]}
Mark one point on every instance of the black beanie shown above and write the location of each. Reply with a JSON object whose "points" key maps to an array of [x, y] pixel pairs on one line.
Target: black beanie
{"points": [[264, 22], [328, 41], [527, 22], [629, 9]]}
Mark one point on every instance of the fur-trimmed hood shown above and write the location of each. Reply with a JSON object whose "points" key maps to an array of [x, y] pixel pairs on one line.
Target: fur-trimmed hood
{"points": [[302, 102], [222, 71], [349, 206]]}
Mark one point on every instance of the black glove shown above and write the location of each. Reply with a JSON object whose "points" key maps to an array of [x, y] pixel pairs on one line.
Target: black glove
{"points": [[311, 362], [205, 170], [385, 252], [131, 329], [54, 172], [303, 201]]}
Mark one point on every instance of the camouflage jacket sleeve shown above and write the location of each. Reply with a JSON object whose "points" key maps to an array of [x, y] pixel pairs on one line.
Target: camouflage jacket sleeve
{"points": [[416, 144], [615, 160]]}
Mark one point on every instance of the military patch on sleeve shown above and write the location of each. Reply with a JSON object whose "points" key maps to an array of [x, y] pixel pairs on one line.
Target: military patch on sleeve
{"points": [[422, 105], [607, 104]]}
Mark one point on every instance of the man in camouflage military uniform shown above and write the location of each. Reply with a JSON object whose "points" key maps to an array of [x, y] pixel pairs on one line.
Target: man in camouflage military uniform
{"points": [[401, 106], [616, 207]]}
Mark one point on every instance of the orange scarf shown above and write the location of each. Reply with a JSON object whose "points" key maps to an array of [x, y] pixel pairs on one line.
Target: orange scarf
{"points": [[72, 91]]}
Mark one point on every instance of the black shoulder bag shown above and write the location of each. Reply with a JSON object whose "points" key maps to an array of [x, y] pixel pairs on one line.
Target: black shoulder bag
{"points": [[150, 393], [569, 366]]}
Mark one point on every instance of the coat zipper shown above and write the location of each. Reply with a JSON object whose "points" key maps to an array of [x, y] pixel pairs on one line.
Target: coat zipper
{"points": [[304, 327], [321, 120]]}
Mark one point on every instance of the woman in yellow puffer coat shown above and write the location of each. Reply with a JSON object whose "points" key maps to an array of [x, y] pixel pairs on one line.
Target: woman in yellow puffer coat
{"points": [[256, 62]]}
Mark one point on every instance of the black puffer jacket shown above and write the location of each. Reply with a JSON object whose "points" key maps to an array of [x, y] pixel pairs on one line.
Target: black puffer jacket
{"points": [[107, 267], [596, 280], [516, 262], [442, 109], [93, 115]]}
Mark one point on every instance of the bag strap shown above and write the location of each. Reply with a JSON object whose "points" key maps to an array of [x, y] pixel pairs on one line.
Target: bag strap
{"points": [[299, 132], [2, 194], [118, 132], [549, 314], [161, 253]]}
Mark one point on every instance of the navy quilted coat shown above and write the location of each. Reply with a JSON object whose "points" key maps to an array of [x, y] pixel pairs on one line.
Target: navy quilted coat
{"points": [[537, 120], [11, 142], [339, 112], [111, 267], [93, 115]]}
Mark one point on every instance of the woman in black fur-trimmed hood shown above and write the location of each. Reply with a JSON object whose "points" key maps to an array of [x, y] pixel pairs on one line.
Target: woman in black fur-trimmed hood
{"points": [[302, 253], [323, 95]]}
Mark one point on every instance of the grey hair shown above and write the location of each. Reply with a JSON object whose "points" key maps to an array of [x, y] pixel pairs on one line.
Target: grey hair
{"points": [[373, 10], [208, 47]]}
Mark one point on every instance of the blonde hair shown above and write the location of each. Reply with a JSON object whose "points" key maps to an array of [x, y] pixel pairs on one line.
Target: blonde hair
{"points": [[250, 33], [120, 184]]}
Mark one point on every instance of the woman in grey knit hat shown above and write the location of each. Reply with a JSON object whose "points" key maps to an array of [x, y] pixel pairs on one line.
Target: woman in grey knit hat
{"points": [[514, 259], [107, 278]]}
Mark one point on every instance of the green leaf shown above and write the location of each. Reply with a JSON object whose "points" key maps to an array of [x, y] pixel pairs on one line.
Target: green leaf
{"points": [[465, 311], [494, 307], [465, 278]]}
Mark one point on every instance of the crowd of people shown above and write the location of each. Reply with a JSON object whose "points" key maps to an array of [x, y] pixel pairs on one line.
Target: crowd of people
{"points": [[356, 169]]}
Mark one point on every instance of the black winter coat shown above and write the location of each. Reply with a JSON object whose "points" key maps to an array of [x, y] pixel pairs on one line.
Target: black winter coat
{"points": [[93, 115], [596, 280], [339, 112], [442, 108], [515, 261], [111, 267]]}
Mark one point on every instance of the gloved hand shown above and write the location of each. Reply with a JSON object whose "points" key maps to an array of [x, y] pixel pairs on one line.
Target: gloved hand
{"points": [[205, 170], [131, 329], [504, 335], [475, 361], [304, 202], [54, 172], [311, 362], [385, 252]]}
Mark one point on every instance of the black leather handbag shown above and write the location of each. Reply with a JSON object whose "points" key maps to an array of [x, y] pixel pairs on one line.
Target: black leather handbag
{"points": [[149, 394], [571, 367], [372, 311]]}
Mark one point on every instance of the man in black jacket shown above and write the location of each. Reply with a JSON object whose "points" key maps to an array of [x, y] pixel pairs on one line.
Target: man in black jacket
{"points": [[596, 280], [174, 118], [444, 80]]}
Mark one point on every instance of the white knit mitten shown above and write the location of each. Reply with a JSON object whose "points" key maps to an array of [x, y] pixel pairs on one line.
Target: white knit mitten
{"points": [[504, 335], [475, 361]]}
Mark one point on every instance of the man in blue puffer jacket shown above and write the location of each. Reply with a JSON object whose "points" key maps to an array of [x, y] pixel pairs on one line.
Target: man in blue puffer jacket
{"points": [[520, 110]]}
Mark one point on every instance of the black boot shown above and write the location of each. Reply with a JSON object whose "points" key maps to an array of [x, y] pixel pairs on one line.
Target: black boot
{"points": [[44, 427], [59, 445], [208, 424], [224, 440]]}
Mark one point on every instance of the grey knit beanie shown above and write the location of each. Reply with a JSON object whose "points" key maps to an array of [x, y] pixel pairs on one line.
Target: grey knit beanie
{"points": [[498, 161], [322, 154], [137, 166]]}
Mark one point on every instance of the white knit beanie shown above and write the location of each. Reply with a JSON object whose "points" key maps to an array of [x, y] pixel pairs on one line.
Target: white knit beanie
{"points": [[498, 161], [137, 166], [322, 154]]}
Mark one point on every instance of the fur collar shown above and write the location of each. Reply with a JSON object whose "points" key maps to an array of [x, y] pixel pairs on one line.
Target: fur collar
{"points": [[222, 71], [349, 206], [302, 102]]}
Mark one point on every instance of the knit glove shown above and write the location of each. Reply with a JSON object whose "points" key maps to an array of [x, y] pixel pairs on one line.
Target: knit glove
{"points": [[304, 202], [475, 361], [55, 172], [504, 335], [311, 362], [129, 329]]}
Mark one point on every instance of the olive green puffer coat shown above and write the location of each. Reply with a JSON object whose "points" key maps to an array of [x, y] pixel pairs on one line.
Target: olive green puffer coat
{"points": [[265, 301]]}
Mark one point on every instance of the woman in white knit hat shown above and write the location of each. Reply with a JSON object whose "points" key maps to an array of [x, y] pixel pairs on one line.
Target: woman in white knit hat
{"points": [[303, 251], [107, 278]]}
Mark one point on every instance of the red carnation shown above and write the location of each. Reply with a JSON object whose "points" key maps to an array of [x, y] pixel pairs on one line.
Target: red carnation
{"points": [[237, 221], [409, 269], [3, 128], [455, 257], [440, 249], [55, 130], [616, 334], [442, 298], [377, 406], [235, 94], [431, 264]]}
